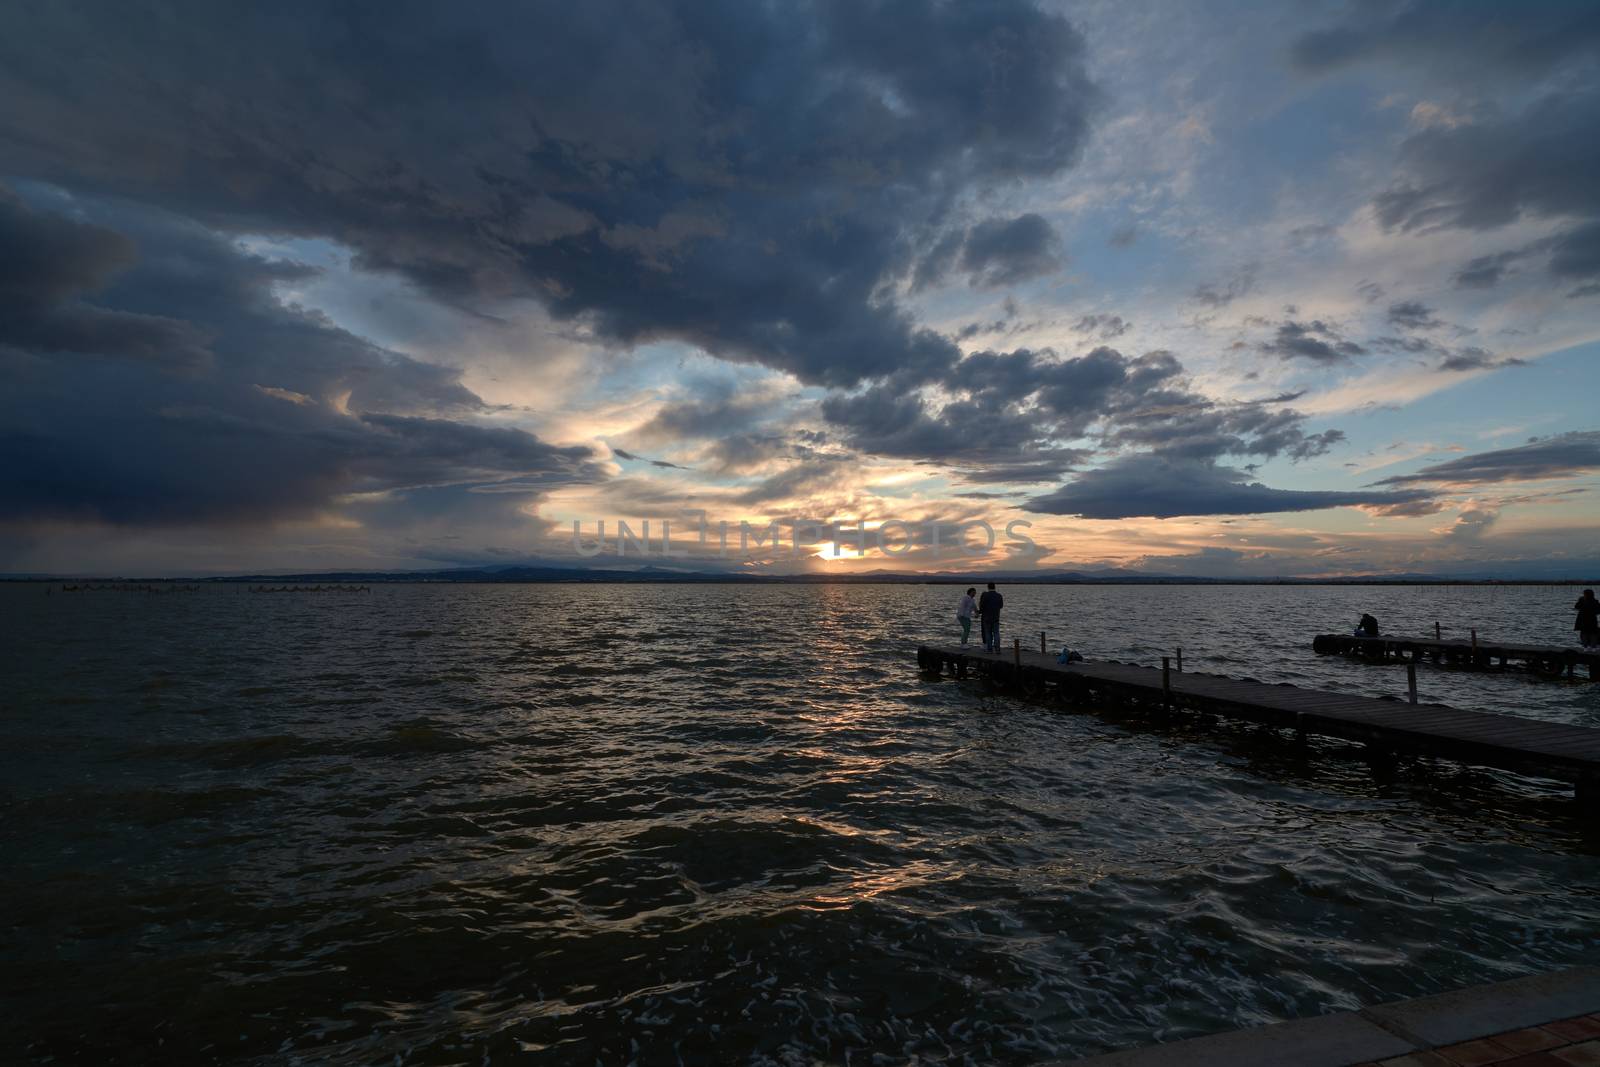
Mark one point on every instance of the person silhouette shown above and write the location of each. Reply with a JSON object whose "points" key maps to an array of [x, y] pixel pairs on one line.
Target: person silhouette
{"points": [[1588, 622], [965, 612], [989, 605]]}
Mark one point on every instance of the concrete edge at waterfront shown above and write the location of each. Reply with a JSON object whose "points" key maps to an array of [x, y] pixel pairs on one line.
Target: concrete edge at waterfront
{"points": [[1385, 1031]]}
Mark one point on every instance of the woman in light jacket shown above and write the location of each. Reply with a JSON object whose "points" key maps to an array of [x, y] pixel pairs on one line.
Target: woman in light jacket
{"points": [[964, 613]]}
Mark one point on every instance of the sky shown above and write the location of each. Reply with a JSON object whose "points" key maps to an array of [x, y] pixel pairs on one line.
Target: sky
{"points": [[1229, 290]]}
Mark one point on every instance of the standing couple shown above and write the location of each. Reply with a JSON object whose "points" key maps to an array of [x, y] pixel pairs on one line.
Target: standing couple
{"points": [[988, 609]]}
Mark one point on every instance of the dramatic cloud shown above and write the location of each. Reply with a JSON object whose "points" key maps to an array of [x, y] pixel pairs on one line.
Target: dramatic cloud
{"points": [[1018, 416], [1412, 315], [1562, 456], [402, 278], [742, 177], [1106, 327], [287, 414], [1315, 341], [999, 253], [1576, 253], [1161, 487], [1491, 162], [1476, 359], [1541, 162], [622, 454], [1486, 272], [48, 264], [1471, 523], [1457, 39], [719, 410]]}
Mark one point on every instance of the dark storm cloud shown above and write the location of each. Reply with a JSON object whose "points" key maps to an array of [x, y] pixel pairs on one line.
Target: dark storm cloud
{"points": [[1049, 466], [742, 177], [886, 422], [718, 412], [1412, 315], [1162, 487], [1015, 416], [287, 414], [49, 264], [1561, 456], [1000, 253], [1576, 253], [993, 253], [1458, 39], [1486, 272], [1188, 426], [1314, 340], [1543, 161]]}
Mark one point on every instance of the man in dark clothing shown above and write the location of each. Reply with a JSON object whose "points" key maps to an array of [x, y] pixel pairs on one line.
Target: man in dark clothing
{"points": [[1368, 627], [1588, 621], [989, 605]]}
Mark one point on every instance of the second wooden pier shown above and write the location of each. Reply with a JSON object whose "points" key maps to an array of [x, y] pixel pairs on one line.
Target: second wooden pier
{"points": [[1550, 660], [1526, 746]]}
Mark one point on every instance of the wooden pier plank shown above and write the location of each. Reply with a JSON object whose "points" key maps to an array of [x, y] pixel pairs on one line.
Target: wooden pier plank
{"points": [[1511, 742]]}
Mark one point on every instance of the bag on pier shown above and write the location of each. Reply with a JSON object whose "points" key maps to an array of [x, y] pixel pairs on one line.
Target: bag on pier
{"points": [[1069, 655]]}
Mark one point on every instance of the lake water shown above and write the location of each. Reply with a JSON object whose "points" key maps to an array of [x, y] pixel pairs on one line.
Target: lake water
{"points": [[725, 824]]}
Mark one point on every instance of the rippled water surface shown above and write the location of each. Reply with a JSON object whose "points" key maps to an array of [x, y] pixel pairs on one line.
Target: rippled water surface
{"points": [[663, 823]]}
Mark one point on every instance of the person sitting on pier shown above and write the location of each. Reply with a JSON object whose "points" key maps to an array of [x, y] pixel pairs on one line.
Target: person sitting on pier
{"points": [[964, 614], [989, 605], [1588, 621], [1368, 627]]}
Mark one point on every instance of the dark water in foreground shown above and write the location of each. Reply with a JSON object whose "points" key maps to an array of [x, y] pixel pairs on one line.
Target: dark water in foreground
{"points": [[709, 824]]}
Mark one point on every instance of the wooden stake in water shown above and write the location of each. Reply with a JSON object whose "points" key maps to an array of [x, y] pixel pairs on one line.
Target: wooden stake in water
{"points": [[1474, 641], [1438, 633], [1180, 661], [1411, 680], [1041, 641], [1166, 683], [1016, 650]]}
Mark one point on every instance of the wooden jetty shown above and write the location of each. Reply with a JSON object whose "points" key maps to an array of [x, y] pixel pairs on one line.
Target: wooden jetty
{"points": [[1526, 746], [1550, 660]]}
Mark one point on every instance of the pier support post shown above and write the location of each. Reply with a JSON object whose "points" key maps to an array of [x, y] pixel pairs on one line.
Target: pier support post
{"points": [[1016, 651], [1180, 661], [1041, 644], [1438, 634], [1411, 680], [1166, 684]]}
